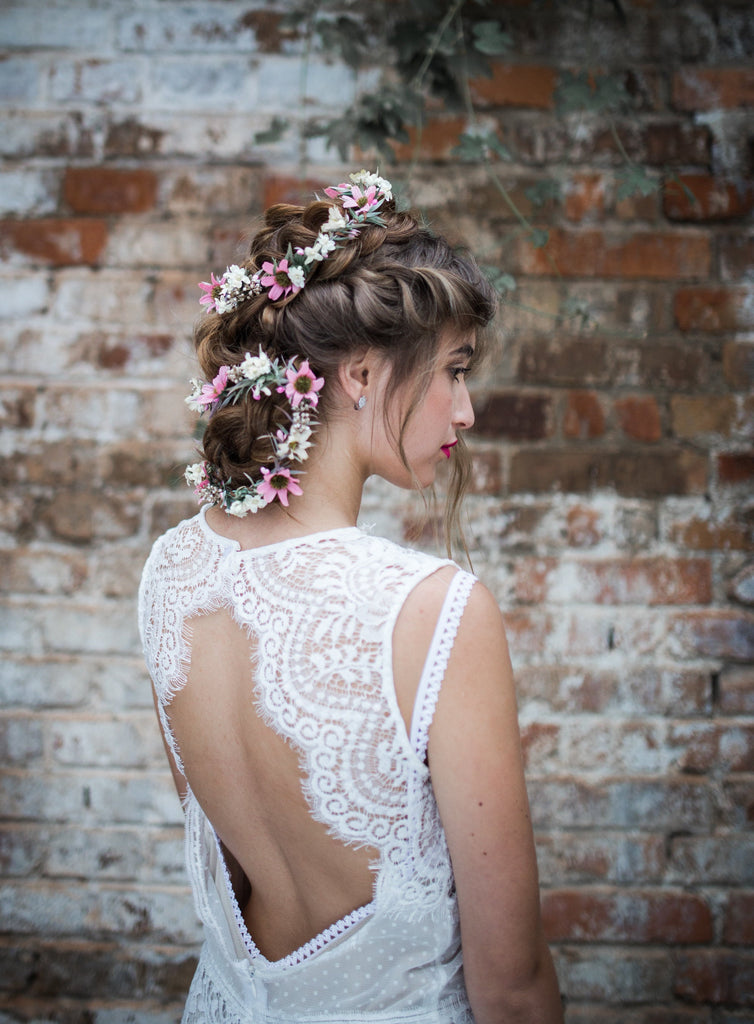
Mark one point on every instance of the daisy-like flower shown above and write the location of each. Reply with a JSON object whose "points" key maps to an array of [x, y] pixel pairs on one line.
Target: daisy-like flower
{"points": [[250, 503], [196, 474], [277, 483], [277, 278], [296, 276], [382, 185], [295, 444], [335, 220], [361, 201], [235, 277], [302, 384], [212, 290], [211, 392], [333, 191], [256, 366]]}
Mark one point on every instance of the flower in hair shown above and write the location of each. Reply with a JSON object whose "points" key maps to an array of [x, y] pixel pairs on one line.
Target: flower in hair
{"points": [[302, 384], [255, 376], [356, 204]]}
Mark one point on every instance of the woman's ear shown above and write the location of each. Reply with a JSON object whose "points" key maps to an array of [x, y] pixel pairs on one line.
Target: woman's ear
{"points": [[356, 373]]}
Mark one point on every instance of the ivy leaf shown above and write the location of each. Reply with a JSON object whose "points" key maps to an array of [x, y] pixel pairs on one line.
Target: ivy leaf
{"points": [[542, 191], [489, 38], [343, 36], [475, 146], [575, 308], [595, 93], [634, 181], [538, 237], [278, 127], [499, 279]]}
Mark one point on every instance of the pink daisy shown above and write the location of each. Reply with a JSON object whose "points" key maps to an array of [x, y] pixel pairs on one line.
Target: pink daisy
{"points": [[211, 392], [361, 201], [211, 291], [334, 190], [277, 280], [302, 384], [277, 483]]}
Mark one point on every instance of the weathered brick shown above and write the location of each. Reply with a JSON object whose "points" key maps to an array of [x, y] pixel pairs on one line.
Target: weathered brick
{"points": [[713, 88], [735, 467], [577, 363], [33, 571], [639, 417], [584, 416], [651, 255], [702, 534], [738, 923], [608, 857], [109, 190], [514, 415], [649, 474], [614, 976], [726, 634], [741, 587], [693, 415], [584, 528], [436, 140], [584, 197], [714, 310], [57, 242], [736, 252], [92, 741], [516, 85], [100, 80], [644, 581], [677, 143], [625, 916], [715, 976], [702, 197]]}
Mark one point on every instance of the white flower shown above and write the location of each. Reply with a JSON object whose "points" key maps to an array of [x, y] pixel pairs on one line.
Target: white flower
{"points": [[225, 303], [235, 277], [251, 503], [296, 276], [312, 253], [366, 178], [335, 221], [256, 366], [195, 474], [191, 400]]}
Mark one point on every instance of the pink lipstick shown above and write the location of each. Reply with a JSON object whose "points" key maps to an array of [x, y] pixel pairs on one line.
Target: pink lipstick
{"points": [[446, 448]]}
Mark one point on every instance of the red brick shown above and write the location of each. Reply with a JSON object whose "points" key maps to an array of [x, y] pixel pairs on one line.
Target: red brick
{"points": [[516, 85], [738, 923], [703, 535], [109, 189], [696, 89], [643, 255], [584, 197], [583, 527], [674, 143], [527, 631], [539, 744], [738, 365], [715, 976], [514, 415], [486, 473], [625, 916], [735, 467], [436, 141], [604, 857], [736, 256], [57, 241], [670, 366], [639, 417], [702, 414], [646, 474], [645, 581], [269, 36], [577, 362], [584, 417], [714, 634], [714, 310], [711, 199], [736, 691], [280, 188]]}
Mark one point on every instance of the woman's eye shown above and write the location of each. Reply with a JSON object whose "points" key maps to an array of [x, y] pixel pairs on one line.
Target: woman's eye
{"points": [[459, 371]]}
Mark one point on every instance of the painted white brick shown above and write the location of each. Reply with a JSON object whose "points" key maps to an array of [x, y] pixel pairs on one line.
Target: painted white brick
{"points": [[24, 294], [111, 297], [28, 192], [133, 743], [97, 81], [39, 683], [21, 739], [145, 243], [229, 85], [20, 80], [188, 28], [54, 26]]}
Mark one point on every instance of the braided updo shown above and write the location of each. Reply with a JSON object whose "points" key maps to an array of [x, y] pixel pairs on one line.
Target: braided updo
{"points": [[392, 288]]}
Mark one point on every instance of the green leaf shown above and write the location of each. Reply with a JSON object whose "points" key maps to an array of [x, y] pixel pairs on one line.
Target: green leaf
{"points": [[489, 38], [278, 127], [539, 237], [633, 181], [542, 191], [475, 147], [499, 279], [578, 91]]}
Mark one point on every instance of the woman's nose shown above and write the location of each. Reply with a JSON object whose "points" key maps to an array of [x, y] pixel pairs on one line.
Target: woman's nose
{"points": [[464, 412]]}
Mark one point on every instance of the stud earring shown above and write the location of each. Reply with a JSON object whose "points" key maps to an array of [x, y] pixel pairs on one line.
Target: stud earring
{"points": [[361, 403]]}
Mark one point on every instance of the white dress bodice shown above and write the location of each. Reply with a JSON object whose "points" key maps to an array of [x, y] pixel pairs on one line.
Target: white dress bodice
{"points": [[319, 614]]}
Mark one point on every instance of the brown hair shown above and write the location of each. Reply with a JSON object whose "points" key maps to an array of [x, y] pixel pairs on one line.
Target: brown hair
{"points": [[392, 288]]}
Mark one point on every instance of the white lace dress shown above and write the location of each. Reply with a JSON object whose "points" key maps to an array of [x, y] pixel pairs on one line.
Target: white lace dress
{"points": [[320, 611]]}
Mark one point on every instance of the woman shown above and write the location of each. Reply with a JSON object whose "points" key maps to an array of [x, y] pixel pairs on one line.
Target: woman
{"points": [[339, 711]]}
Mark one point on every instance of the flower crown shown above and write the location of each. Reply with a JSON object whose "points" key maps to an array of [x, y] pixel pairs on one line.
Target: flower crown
{"points": [[256, 376], [359, 201]]}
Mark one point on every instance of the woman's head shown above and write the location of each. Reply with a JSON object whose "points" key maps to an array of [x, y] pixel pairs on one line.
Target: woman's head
{"points": [[394, 288]]}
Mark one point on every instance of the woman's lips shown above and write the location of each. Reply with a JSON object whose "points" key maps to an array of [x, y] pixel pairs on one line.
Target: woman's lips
{"points": [[446, 448]]}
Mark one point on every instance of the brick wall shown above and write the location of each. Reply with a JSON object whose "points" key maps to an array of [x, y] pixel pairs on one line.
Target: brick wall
{"points": [[612, 510]]}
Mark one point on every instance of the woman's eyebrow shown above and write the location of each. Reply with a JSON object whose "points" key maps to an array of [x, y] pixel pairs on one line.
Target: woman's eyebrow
{"points": [[464, 350]]}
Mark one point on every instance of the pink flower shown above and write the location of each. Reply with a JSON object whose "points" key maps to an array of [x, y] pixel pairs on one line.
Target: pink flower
{"points": [[361, 201], [212, 392], [277, 280], [277, 483], [334, 190], [302, 384], [211, 291]]}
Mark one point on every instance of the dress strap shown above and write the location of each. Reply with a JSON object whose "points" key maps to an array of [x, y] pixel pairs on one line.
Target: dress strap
{"points": [[436, 662]]}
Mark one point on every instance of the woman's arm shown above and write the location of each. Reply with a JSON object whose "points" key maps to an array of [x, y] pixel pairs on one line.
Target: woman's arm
{"points": [[477, 773]]}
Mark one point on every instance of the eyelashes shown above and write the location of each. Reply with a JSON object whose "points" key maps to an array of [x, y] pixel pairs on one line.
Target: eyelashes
{"points": [[459, 371]]}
